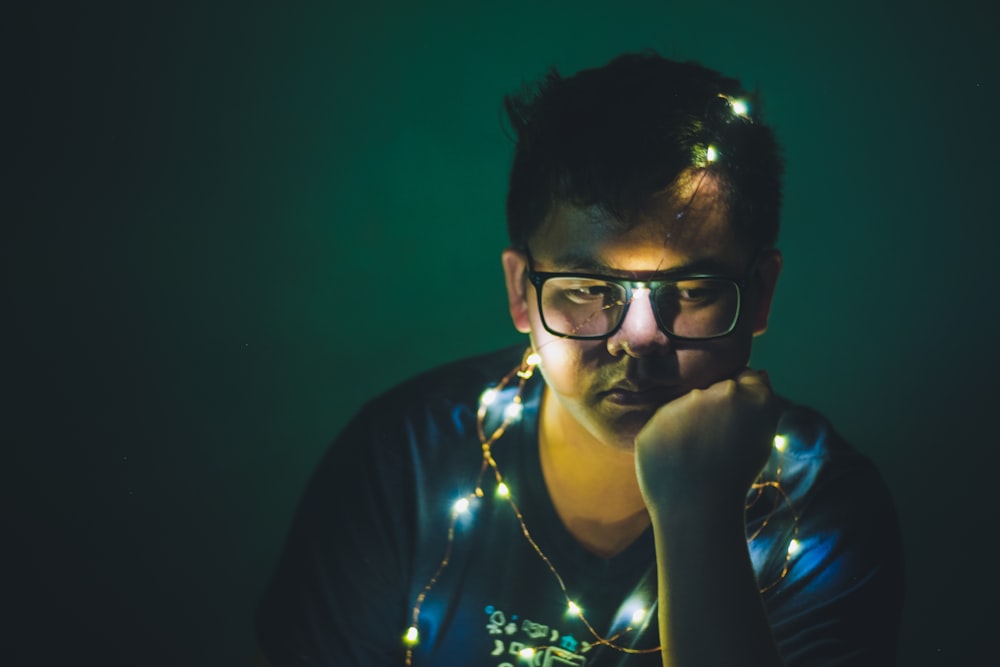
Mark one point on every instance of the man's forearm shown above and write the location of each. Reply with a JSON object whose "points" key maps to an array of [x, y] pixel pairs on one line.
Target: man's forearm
{"points": [[710, 608]]}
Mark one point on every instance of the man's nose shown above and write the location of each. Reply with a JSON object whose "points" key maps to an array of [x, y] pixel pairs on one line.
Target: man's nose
{"points": [[639, 333]]}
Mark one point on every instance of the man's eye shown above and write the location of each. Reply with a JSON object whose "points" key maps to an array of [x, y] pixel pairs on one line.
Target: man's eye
{"points": [[695, 294], [696, 291], [583, 293]]}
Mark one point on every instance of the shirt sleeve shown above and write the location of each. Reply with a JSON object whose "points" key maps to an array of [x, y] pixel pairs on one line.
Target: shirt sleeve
{"points": [[338, 595], [841, 601]]}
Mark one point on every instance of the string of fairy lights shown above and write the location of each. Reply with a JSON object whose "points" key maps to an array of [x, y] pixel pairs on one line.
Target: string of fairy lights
{"points": [[704, 156], [512, 413]]}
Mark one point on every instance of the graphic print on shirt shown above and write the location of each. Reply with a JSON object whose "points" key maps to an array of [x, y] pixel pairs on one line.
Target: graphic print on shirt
{"points": [[524, 642]]}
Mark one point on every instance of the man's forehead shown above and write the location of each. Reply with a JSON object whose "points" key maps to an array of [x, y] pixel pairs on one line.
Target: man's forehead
{"points": [[589, 239], [692, 205]]}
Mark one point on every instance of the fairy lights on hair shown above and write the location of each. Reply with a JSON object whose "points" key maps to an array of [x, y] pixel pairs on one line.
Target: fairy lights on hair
{"points": [[704, 155], [738, 106], [511, 413], [708, 153]]}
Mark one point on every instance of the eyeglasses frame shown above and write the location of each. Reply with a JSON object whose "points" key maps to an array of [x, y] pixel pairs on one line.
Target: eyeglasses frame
{"points": [[538, 278]]}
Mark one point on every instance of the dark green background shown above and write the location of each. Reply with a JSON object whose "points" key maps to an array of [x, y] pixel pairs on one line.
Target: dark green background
{"points": [[229, 224]]}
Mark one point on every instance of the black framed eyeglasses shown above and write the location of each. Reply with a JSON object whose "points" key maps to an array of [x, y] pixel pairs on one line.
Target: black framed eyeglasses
{"points": [[692, 306]]}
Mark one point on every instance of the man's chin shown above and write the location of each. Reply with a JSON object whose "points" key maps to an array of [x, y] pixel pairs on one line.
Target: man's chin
{"points": [[622, 429]]}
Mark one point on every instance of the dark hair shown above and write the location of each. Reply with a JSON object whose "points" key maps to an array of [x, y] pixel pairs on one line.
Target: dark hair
{"points": [[620, 135]]}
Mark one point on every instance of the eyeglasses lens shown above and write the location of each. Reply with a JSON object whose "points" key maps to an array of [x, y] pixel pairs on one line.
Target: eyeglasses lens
{"points": [[592, 308]]}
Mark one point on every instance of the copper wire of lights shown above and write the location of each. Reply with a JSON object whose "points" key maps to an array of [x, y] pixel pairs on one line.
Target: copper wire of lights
{"points": [[512, 413]]}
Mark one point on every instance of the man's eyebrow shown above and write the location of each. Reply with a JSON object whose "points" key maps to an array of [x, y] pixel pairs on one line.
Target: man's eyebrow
{"points": [[581, 264], [574, 263]]}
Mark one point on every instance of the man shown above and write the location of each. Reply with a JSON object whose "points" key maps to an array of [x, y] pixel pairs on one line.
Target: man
{"points": [[625, 491]]}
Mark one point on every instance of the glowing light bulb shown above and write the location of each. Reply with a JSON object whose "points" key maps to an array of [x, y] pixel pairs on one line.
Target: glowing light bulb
{"points": [[780, 442], [793, 547], [574, 609], [488, 396], [527, 653], [711, 155], [533, 359], [513, 411], [461, 506], [412, 635], [740, 107], [503, 490], [638, 615]]}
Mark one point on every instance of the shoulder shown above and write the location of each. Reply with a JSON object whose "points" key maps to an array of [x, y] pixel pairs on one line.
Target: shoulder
{"points": [[810, 435], [826, 479], [462, 380], [360, 530], [442, 400], [420, 424], [814, 455], [846, 572]]}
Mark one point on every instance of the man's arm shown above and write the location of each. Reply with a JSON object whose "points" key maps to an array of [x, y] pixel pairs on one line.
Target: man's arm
{"points": [[696, 460]]}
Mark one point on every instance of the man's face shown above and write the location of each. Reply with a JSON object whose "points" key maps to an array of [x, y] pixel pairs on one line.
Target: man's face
{"points": [[611, 387]]}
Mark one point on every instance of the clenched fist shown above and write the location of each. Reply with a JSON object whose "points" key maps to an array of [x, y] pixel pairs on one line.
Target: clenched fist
{"points": [[703, 450]]}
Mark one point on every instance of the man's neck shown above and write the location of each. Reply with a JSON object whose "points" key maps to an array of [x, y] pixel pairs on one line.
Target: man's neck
{"points": [[592, 485]]}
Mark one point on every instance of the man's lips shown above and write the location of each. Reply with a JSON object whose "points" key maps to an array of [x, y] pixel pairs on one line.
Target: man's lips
{"points": [[629, 394]]}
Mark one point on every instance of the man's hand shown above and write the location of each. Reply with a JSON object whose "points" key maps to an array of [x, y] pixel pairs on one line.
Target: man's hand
{"points": [[696, 458], [703, 450]]}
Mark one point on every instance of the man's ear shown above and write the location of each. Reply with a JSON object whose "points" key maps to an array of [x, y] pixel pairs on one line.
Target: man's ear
{"points": [[768, 270], [514, 268]]}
